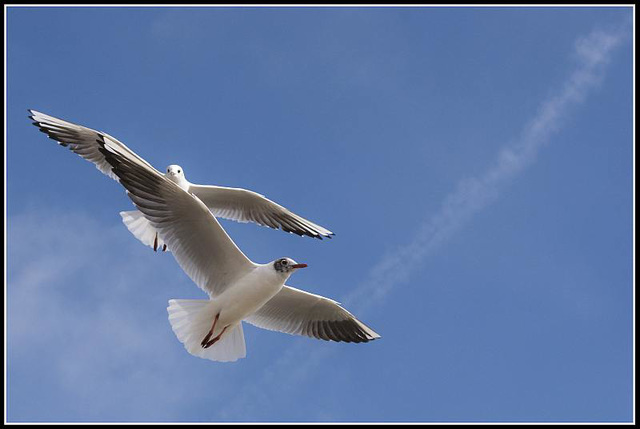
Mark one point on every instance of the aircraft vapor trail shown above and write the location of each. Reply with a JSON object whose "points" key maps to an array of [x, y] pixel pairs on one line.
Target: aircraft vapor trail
{"points": [[592, 54]]}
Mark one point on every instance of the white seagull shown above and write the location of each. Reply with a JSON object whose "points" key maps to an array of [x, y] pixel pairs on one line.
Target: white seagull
{"points": [[236, 204], [238, 288]]}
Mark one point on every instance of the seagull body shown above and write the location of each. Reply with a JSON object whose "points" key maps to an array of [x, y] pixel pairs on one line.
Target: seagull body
{"points": [[199, 324], [236, 204], [238, 288]]}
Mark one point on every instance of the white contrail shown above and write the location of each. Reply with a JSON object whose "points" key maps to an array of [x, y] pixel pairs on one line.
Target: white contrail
{"points": [[592, 54], [473, 194]]}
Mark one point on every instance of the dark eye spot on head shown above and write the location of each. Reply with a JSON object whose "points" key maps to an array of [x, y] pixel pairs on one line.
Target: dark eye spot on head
{"points": [[280, 265], [178, 171]]}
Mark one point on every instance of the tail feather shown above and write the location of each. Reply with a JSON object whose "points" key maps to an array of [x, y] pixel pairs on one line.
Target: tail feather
{"points": [[191, 320], [142, 229]]}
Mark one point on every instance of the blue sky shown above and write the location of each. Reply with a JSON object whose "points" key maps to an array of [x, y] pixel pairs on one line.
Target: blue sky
{"points": [[476, 165]]}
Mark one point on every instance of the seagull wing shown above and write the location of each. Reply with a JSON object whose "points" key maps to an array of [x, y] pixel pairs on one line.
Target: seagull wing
{"points": [[230, 203], [199, 244], [83, 141], [242, 205], [294, 311]]}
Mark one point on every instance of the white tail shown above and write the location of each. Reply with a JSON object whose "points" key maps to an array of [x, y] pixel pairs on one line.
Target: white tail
{"points": [[191, 319], [140, 227]]}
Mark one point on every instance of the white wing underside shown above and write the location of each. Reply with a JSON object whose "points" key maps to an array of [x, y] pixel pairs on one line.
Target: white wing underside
{"points": [[83, 141], [199, 244], [242, 205], [236, 204], [294, 311]]}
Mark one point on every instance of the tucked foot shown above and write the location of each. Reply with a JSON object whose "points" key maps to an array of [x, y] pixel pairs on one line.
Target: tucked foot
{"points": [[155, 243], [210, 333], [212, 342]]}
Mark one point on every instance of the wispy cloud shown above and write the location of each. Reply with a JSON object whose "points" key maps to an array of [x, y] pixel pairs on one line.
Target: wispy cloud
{"points": [[591, 54], [76, 334]]}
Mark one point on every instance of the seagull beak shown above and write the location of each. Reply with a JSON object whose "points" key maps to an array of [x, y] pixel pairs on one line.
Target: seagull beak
{"points": [[299, 266]]}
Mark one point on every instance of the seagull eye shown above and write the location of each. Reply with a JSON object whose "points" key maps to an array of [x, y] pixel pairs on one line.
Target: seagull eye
{"points": [[178, 171], [284, 262]]}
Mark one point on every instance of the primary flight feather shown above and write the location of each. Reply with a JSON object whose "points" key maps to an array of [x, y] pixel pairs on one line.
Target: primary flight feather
{"points": [[236, 204]]}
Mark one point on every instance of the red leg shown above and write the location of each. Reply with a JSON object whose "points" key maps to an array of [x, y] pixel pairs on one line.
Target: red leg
{"points": [[204, 341], [212, 342]]}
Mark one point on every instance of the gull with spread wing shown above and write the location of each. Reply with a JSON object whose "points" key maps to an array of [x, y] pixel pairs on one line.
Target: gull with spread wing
{"points": [[236, 204], [238, 288]]}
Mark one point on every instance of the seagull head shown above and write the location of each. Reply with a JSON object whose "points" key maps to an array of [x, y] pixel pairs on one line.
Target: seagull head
{"points": [[286, 266], [175, 173]]}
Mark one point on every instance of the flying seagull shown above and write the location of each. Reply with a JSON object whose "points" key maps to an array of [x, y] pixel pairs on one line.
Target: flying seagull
{"points": [[238, 288], [236, 204]]}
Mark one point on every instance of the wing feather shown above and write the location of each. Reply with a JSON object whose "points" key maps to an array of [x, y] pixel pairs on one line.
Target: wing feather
{"points": [[83, 141], [242, 205], [297, 312], [197, 241]]}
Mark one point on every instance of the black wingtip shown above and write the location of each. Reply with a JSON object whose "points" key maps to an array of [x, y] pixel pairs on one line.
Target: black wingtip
{"points": [[321, 236], [32, 117]]}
